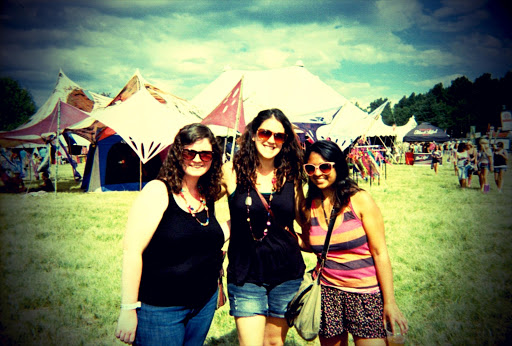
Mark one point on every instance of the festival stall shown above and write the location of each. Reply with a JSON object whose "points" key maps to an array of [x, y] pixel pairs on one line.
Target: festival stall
{"points": [[424, 132], [368, 162]]}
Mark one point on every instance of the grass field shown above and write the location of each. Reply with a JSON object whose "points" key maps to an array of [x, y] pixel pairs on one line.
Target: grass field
{"points": [[60, 262]]}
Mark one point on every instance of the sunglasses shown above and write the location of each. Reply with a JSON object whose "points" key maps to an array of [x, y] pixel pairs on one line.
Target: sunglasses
{"points": [[325, 168], [264, 135], [205, 156]]}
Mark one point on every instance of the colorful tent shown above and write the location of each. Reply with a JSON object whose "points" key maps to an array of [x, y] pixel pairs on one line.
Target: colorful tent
{"points": [[76, 104], [229, 114], [45, 130], [146, 117], [112, 165]]}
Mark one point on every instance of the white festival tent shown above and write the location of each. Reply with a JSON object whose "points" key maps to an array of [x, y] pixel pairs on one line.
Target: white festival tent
{"points": [[146, 117], [349, 123], [71, 93], [379, 129], [294, 90]]}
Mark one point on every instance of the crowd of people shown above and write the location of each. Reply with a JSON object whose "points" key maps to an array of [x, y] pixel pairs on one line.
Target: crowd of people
{"points": [[469, 161], [20, 164]]}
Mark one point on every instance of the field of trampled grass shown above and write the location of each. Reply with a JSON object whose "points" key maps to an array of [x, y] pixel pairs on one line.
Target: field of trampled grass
{"points": [[60, 261]]}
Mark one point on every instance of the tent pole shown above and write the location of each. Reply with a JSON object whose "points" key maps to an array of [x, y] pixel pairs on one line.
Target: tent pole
{"points": [[140, 174], [239, 106], [225, 143], [57, 150]]}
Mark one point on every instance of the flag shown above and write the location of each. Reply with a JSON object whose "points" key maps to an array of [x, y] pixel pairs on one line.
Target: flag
{"points": [[226, 113]]}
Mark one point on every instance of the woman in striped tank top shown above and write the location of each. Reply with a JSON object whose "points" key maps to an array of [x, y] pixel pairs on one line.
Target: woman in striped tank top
{"points": [[357, 281]]}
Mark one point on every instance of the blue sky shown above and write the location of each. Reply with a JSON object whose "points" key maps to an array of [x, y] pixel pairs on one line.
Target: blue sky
{"points": [[363, 49]]}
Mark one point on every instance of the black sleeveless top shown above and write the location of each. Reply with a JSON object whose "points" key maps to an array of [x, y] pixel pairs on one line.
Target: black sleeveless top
{"points": [[182, 262], [275, 259]]}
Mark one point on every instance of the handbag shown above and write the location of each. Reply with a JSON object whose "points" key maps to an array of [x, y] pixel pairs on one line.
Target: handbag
{"points": [[221, 297], [304, 311]]}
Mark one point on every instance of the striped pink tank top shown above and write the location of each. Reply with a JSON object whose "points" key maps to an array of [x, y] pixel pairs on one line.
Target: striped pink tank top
{"points": [[349, 265]]}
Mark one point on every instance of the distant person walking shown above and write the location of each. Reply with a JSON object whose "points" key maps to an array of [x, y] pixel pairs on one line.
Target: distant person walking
{"points": [[500, 165], [436, 157], [472, 161], [485, 163], [462, 161]]}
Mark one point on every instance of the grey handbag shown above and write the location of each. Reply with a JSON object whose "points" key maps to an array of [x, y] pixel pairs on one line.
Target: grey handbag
{"points": [[304, 311]]}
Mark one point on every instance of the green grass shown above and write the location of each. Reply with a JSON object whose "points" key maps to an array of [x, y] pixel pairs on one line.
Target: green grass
{"points": [[60, 262]]}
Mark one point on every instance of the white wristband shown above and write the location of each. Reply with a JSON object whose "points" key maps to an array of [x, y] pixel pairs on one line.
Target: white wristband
{"points": [[130, 306]]}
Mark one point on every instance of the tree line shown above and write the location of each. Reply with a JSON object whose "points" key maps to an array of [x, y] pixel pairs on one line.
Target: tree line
{"points": [[455, 108]]}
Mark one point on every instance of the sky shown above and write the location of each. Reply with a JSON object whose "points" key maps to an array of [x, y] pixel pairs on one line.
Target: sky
{"points": [[364, 50]]}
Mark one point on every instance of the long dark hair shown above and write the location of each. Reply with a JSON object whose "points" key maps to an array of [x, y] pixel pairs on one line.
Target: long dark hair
{"points": [[172, 169], [344, 187], [288, 162]]}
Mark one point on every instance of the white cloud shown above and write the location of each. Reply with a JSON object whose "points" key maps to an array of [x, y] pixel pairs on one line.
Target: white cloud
{"points": [[427, 84]]}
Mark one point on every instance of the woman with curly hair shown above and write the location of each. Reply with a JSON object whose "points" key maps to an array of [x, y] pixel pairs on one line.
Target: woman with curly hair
{"points": [[356, 282], [265, 262], [172, 247]]}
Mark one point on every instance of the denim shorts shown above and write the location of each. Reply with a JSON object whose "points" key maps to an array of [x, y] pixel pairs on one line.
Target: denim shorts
{"points": [[174, 325], [251, 299], [463, 172], [500, 168]]}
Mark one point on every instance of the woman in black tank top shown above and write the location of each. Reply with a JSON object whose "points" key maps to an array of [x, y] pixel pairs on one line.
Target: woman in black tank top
{"points": [[265, 262], [173, 247]]}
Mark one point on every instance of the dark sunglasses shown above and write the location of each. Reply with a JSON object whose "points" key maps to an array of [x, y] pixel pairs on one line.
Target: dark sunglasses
{"points": [[264, 135], [325, 168], [205, 156]]}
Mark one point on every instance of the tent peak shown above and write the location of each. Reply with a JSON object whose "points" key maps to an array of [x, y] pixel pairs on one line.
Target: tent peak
{"points": [[299, 63]]}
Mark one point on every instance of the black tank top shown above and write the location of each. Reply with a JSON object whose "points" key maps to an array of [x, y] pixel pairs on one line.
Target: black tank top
{"points": [[181, 263], [275, 259]]}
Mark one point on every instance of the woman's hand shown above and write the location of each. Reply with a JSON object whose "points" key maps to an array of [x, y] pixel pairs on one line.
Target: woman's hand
{"points": [[392, 315], [127, 326]]}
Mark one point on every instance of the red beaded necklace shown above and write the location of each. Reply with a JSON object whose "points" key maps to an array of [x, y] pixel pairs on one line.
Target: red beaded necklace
{"points": [[191, 210], [248, 203]]}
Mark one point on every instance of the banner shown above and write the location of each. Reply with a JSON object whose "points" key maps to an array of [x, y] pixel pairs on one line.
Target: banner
{"points": [[422, 159], [506, 121]]}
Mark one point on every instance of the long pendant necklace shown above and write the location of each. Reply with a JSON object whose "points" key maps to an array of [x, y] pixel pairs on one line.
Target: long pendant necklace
{"points": [[191, 210], [248, 203], [327, 219]]}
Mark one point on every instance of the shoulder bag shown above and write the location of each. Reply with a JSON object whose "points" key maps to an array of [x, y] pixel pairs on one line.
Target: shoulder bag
{"points": [[304, 311], [221, 297]]}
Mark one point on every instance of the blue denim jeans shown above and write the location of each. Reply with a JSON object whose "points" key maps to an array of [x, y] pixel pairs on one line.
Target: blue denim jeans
{"points": [[174, 325]]}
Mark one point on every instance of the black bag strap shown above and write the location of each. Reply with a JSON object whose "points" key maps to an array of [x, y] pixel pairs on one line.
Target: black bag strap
{"points": [[327, 240]]}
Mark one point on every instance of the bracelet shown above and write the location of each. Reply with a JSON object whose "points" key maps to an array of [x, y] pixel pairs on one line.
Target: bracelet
{"points": [[130, 306]]}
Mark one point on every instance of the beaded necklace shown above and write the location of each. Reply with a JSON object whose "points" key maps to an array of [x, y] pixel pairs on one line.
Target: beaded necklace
{"points": [[248, 203], [191, 210]]}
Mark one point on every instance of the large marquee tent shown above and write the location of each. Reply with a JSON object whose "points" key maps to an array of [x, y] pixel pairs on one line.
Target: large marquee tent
{"points": [[294, 90]]}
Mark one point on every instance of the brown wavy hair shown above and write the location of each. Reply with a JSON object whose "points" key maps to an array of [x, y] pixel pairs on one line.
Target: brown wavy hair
{"points": [[344, 187], [288, 162], [172, 168]]}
